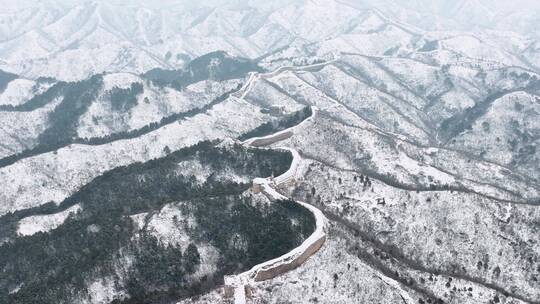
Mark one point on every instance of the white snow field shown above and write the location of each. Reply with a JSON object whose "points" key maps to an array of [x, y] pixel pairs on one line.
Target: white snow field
{"points": [[47, 38], [43, 223], [420, 162]]}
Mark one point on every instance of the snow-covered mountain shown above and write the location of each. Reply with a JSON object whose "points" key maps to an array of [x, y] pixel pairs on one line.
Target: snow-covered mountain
{"points": [[71, 40], [126, 165]]}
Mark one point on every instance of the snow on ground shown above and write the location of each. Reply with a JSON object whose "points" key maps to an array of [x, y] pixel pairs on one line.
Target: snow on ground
{"points": [[439, 229], [294, 85], [53, 40], [195, 168], [381, 109], [19, 130], [119, 80], [333, 275], [450, 103], [152, 105], [55, 175], [44, 223], [20, 91], [202, 172], [378, 150], [215, 296], [473, 47], [414, 73], [296, 256], [387, 80], [308, 247], [506, 128], [447, 231], [353, 148], [169, 226], [102, 291], [260, 93], [374, 43], [452, 231]]}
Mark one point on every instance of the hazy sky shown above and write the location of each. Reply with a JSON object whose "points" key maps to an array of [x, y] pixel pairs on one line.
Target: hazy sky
{"points": [[516, 15], [431, 6]]}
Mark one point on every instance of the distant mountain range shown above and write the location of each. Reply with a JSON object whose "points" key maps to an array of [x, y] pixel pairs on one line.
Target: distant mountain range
{"points": [[126, 169], [70, 40]]}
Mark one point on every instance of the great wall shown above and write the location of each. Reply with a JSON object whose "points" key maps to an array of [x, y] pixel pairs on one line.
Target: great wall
{"points": [[238, 286]]}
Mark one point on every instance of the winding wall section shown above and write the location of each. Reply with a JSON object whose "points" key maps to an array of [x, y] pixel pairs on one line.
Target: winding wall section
{"points": [[267, 186]]}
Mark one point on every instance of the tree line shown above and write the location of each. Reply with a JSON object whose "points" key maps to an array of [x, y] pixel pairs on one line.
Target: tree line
{"points": [[57, 266]]}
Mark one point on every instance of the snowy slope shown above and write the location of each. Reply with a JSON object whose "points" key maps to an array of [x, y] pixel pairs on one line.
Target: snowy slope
{"points": [[423, 154], [153, 104], [19, 131], [49, 38], [43, 223], [120, 104], [21, 90], [54, 176]]}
